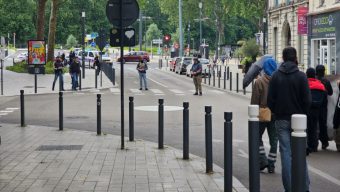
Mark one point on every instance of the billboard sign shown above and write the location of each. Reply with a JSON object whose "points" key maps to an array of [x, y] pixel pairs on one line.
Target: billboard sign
{"points": [[302, 20], [36, 52]]}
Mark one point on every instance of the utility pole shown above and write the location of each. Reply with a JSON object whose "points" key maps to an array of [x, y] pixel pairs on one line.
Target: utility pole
{"points": [[83, 44], [140, 30], [264, 35], [200, 5], [180, 29]]}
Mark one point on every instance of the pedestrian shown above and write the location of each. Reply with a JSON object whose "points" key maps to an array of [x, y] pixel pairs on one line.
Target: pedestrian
{"points": [[141, 68], [259, 97], [74, 72], [288, 94], [323, 135], [72, 55], [58, 73], [196, 72], [336, 121], [96, 64], [319, 95]]}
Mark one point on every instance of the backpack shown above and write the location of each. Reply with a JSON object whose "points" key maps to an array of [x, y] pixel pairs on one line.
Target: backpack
{"points": [[318, 98]]}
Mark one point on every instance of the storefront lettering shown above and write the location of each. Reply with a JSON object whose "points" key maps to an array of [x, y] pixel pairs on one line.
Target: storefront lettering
{"points": [[324, 30], [327, 20]]}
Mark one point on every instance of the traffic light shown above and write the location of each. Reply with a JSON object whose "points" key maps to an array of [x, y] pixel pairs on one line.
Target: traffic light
{"points": [[167, 38]]}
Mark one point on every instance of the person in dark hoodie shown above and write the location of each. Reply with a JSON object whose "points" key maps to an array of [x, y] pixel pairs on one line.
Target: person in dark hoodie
{"points": [[288, 94], [323, 135], [259, 97], [319, 95]]}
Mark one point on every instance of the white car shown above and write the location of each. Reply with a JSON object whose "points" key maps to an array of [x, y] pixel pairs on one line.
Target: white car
{"points": [[90, 55], [21, 57], [205, 67]]}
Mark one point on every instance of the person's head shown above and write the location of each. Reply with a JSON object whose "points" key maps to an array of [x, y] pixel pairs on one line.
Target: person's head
{"points": [[269, 66], [310, 72], [195, 60], [57, 58], [289, 54], [320, 70]]}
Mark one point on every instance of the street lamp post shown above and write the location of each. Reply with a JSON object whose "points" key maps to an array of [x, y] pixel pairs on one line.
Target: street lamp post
{"points": [[83, 43], [200, 5], [264, 35], [189, 39], [180, 29]]}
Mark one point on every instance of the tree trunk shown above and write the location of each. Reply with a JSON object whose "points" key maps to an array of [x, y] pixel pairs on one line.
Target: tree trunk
{"points": [[52, 30], [41, 19]]}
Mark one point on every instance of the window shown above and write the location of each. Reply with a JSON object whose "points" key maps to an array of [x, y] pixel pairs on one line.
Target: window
{"points": [[91, 54], [276, 3]]}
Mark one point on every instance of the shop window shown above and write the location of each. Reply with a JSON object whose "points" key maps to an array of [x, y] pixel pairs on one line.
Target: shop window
{"points": [[332, 57]]}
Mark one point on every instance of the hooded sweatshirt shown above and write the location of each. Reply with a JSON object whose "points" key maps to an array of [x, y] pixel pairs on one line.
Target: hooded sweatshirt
{"points": [[288, 92]]}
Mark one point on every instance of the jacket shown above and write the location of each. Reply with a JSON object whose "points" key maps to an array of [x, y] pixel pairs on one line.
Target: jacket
{"points": [[142, 67], [260, 91], [336, 118], [196, 69], [288, 92], [58, 67], [318, 92], [75, 67]]}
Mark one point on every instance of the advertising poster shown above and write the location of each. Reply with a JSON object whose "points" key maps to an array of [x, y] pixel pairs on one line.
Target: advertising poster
{"points": [[36, 52], [302, 20]]}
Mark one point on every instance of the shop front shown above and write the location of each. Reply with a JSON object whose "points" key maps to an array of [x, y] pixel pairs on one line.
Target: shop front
{"points": [[324, 41]]}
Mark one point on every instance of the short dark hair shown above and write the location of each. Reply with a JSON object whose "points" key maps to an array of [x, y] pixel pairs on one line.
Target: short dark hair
{"points": [[320, 70], [310, 73], [289, 54]]}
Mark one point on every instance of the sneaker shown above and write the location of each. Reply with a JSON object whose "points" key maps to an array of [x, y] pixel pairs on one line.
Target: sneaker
{"points": [[146, 89], [195, 93], [200, 93], [262, 167], [140, 89]]}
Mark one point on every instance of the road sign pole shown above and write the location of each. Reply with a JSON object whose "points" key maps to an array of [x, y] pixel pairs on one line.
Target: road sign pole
{"points": [[121, 73]]}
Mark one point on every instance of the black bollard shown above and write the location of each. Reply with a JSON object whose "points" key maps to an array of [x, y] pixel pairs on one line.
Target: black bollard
{"points": [[231, 81], [89, 65], [35, 81], [214, 77], [299, 167], [95, 78], [254, 166], [113, 76], [61, 111], [161, 124], [205, 76], [131, 119], [99, 115], [224, 80], [22, 108], [209, 75], [219, 78], [2, 77], [80, 80], [237, 78], [208, 140], [244, 89], [101, 78], [228, 73], [186, 130], [228, 151]]}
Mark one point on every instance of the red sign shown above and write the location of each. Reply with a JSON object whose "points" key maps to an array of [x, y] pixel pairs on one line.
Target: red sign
{"points": [[302, 20]]}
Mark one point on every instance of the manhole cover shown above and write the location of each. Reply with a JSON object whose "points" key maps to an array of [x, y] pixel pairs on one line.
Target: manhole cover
{"points": [[58, 147], [77, 117]]}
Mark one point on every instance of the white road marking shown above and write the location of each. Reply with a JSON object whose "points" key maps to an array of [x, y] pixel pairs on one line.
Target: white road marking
{"points": [[115, 90], [324, 175], [12, 109], [177, 92], [157, 82], [6, 111], [155, 108], [136, 91], [157, 91], [3, 114]]}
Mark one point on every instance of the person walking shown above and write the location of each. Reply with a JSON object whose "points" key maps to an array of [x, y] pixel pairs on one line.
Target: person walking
{"points": [[74, 72], [96, 64], [288, 94], [336, 121], [319, 95], [196, 72], [259, 97], [323, 135], [141, 68], [58, 73]]}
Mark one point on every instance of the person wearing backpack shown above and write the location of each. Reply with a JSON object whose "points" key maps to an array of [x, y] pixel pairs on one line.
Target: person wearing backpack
{"points": [[323, 135], [319, 95], [336, 121]]}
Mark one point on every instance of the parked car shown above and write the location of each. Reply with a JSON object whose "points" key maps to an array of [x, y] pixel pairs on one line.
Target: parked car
{"points": [[21, 57], [135, 56], [90, 55], [205, 67], [182, 67]]}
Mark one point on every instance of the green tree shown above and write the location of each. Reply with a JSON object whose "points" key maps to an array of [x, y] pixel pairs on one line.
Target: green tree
{"points": [[153, 33], [41, 5], [52, 29], [71, 41]]}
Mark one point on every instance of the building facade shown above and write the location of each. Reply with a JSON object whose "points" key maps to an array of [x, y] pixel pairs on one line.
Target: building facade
{"points": [[324, 35], [283, 29]]}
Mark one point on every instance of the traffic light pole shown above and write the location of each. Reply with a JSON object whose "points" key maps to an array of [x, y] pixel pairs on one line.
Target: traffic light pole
{"points": [[121, 74]]}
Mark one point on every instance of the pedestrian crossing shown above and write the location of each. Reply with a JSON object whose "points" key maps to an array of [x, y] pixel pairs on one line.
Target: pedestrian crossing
{"points": [[165, 91], [7, 111]]}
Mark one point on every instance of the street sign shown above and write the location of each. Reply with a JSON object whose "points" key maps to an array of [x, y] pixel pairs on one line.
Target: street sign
{"points": [[130, 12], [129, 37], [157, 41], [93, 44]]}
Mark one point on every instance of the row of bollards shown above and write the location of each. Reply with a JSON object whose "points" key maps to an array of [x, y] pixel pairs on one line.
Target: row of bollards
{"points": [[298, 124]]}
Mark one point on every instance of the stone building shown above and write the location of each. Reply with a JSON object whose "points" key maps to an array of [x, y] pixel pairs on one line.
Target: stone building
{"points": [[283, 29], [324, 34]]}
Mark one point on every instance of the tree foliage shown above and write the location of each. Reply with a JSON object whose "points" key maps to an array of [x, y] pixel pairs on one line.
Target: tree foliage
{"points": [[153, 33], [71, 41]]}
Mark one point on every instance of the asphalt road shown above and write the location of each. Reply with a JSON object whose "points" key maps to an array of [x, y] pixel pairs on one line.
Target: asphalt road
{"points": [[80, 113]]}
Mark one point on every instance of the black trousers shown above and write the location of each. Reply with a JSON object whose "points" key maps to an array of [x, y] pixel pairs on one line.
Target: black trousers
{"points": [[323, 135], [312, 128]]}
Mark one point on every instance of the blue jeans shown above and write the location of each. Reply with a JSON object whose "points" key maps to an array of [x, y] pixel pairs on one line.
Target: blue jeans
{"points": [[74, 81], [283, 128], [142, 77], [61, 80]]}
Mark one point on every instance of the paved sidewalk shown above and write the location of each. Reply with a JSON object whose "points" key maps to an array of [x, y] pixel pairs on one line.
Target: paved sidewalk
{"points": [[14, 82], [32, 159]]}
